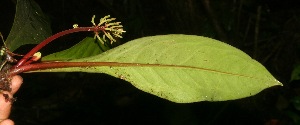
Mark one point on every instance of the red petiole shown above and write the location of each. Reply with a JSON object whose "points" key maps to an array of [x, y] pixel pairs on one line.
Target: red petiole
{"points": [[24, 64]]}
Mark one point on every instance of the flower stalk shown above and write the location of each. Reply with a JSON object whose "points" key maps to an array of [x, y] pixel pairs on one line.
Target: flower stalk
{"points": [[107, 26]]}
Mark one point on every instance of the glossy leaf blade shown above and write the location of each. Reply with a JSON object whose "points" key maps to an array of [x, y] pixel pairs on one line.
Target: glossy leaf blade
{"points": [[183, 68], [30, 25]]}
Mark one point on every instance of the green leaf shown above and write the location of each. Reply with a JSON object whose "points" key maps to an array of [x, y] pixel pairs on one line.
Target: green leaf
{"points": [[87, 47], [182, 68], [30, 25]]}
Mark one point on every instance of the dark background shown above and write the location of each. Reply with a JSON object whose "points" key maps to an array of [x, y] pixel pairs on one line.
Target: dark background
{"points": [[267, 30]]}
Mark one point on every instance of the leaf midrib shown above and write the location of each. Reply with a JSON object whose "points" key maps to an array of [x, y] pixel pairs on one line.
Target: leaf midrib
{"points": [[119, 64]]}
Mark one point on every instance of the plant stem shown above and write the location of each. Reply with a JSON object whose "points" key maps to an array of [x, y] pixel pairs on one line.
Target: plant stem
{"points": [[55, 36], [56, 64], [51, 65]]}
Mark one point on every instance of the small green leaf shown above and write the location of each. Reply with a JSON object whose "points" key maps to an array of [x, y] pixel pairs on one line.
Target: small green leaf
{"points": [[182, 68], [30, 25], [85, 48]]}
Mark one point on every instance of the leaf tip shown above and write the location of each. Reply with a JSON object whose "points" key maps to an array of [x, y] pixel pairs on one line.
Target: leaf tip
{"points": [[278, 82]]}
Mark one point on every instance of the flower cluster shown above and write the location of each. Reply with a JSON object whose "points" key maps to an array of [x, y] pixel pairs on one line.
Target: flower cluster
{"points": [[110, 29]]}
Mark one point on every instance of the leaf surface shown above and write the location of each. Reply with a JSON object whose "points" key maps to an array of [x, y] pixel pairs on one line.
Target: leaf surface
{"points": [[182, 68], [87, 47], [30, 25]]}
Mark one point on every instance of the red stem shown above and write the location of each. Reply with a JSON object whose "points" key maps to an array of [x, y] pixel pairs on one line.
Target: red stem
{"points": [[51, 65], [55, 36]]}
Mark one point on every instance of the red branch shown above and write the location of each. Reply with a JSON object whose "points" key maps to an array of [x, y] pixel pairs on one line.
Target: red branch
{"points": [[55, 36]]}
